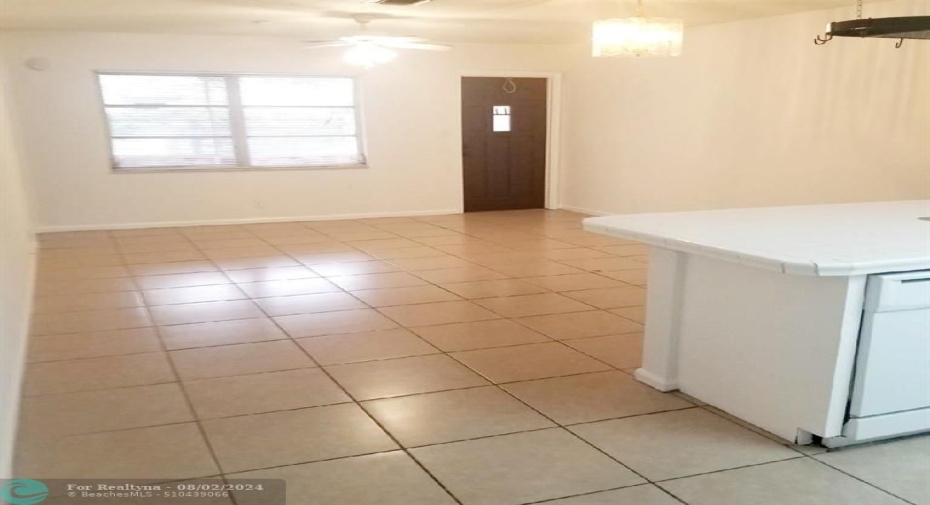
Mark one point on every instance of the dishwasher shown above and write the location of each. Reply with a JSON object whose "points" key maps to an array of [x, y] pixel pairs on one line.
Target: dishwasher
{"points": [[890, 391]]}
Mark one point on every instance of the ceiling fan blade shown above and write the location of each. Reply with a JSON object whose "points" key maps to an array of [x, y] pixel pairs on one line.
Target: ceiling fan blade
{"points": [[417, 45], [325, 43], [380, 39]]}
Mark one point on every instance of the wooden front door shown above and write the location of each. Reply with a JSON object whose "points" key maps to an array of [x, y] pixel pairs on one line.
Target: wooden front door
{"points": [[504, 143]]}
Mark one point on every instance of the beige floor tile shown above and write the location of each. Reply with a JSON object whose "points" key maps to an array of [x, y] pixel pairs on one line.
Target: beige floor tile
{"points": [[241, 359], [263, 392], [574, 282], [194, 294], [354, 268], [309, 304], [367, 346], [465, 274], [450, 416], [288, 287], [408, 252], [167, 246], [271, 274], [453, 238], [142, 259], [527, 362], [389, 479], [900, 467], [532, 305], [294, 436], [637, 314], [646, 494], [107, 410], [359, 233], [93, 345], [315, 248], [478, 335], [438, 313], [97, 320], [577, 253], [581, 324], [796, 482], [430, 263], [130, 454], [377, 281], [206, 312], [56, 304], [635, 277], [540, 244], [510, 469], [253, 262], [621, 351], [85, 286], [611, 298], [181, 280], [681, 443], [85, 273], [255, 251], [593, 397], [626, 250], [172, 268], [334, 257], [404, 296], [382, 244], [472, 248], [50, 263], [209, 244], [536, 269], [605, 264], [404, 376], [97, 373], [242, 331], [505, 258], [493, 288], [334, 323]]}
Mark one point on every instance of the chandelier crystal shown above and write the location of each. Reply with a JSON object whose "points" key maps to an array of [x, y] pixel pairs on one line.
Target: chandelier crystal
{"points": [[637, 36]]}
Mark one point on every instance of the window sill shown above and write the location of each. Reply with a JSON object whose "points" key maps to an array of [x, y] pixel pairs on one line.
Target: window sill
{"points": [[156, 170]]}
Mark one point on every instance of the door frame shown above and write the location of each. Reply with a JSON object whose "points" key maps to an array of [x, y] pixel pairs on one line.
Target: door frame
{"points": [[553, 131]]}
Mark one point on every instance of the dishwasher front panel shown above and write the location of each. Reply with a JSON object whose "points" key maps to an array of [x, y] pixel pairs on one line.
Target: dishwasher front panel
{"points": [[893, 360]]}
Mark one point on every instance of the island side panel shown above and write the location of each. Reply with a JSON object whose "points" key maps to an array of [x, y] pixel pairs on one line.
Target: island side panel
{"points": [[663, 309], [774, 349]]}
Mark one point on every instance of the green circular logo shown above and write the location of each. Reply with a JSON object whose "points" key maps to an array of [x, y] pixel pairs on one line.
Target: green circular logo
{"points": [[23, 492]]}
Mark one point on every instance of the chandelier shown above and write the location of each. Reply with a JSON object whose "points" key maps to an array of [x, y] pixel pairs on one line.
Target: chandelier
{"points": [[637, 36]]}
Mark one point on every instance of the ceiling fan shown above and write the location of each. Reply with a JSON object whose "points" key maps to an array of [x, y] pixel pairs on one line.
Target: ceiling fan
{"points": [[370, 50]]}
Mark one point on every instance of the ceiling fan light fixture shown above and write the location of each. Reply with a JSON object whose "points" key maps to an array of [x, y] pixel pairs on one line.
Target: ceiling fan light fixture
{"points": [[367, 54], [637, 36]]}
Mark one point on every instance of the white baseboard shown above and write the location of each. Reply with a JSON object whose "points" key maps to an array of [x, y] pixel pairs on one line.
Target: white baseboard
{"points": [[582, 210], [261, 220]]}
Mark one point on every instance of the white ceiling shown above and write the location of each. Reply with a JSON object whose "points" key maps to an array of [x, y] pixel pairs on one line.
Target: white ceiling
{"points": [[501, 21]]}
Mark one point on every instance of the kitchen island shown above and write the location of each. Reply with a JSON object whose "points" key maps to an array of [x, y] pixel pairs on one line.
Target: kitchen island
{"points": [[812, 322]]}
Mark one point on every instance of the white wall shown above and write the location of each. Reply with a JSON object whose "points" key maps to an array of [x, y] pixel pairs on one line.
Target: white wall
{"points": [[752, 114], [412, 118], [17, 269]]}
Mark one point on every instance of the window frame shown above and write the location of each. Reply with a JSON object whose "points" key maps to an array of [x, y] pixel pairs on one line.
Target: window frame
{"points": [[238, 132]]}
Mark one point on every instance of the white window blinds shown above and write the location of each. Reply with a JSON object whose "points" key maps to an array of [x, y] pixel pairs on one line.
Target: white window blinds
{"points": [[202, 121]]}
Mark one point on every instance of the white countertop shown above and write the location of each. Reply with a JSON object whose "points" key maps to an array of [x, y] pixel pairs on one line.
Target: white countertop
{"points": [[825, 240]]}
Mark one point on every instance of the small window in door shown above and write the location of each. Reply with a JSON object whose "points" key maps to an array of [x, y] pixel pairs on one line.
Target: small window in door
{"points": [[501, 121]]}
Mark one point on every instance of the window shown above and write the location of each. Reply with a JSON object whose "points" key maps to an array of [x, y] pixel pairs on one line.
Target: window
{"points": [[501, 122], [230, 121]]}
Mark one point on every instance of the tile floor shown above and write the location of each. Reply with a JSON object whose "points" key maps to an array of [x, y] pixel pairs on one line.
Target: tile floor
{"points": [[478, 359]]}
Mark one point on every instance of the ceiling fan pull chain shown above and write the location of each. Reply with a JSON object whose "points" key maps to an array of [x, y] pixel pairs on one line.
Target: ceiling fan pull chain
{"points": [[510, 87]]}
